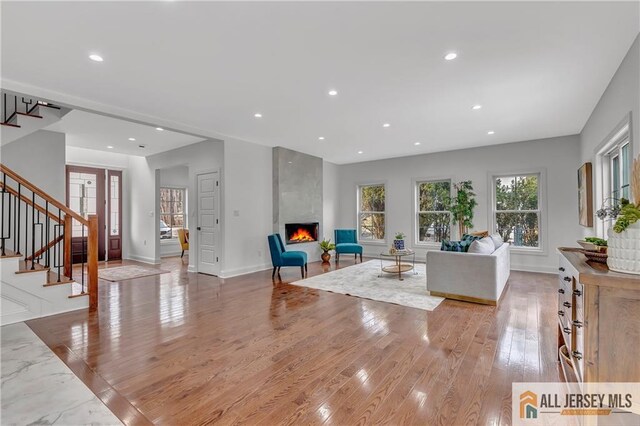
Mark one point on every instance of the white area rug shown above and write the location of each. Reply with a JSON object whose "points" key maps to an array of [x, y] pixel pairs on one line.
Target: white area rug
{"points": [[367, 281], [128, 272]]}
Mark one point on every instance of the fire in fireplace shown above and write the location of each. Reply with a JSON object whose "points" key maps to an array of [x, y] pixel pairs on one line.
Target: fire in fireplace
{"points": [[301, 232]]}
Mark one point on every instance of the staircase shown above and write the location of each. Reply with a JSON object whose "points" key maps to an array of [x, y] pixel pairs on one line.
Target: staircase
{"points": [[22, 115], [39, 239]]}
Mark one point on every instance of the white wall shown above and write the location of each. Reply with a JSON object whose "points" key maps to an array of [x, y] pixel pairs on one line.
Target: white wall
{"points": [[330, 198], [174, 177], [40, 158], [145, 175], [248, 203], [560, 157], [621, 98]]}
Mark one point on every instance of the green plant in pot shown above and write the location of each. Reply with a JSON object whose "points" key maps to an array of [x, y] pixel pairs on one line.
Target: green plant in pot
{"points": [[398, 242], [326, 246], [462, 206]]}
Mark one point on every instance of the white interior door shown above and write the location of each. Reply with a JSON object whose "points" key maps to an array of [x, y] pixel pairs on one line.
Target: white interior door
{"points": [[208, 223]]}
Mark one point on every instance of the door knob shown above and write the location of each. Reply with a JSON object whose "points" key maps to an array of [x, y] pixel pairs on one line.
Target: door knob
{"points": [[198, 228]]}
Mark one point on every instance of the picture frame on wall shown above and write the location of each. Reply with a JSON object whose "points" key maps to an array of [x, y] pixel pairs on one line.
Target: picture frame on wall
{"points": [[585, 195]]}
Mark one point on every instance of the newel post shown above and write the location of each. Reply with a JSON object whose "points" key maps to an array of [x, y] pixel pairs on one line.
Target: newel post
{"points": [[67, 261], [92, 262]]}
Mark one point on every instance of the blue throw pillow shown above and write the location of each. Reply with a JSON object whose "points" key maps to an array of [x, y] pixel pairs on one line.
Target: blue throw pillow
{"points": [[451, 246]]}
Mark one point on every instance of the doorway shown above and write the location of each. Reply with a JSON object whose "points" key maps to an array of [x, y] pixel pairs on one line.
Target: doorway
{"points": [[93, 191], [208, 223]]}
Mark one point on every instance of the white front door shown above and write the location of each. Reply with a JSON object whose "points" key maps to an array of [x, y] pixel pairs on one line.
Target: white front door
{"points": [[208, 223]]}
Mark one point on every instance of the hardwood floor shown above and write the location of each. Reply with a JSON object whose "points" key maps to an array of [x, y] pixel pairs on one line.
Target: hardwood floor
{"points": [[186, 349]]}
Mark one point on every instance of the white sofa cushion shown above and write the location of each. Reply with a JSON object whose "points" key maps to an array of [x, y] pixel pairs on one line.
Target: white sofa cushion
{"points": [[497, 240], [482, 246]]}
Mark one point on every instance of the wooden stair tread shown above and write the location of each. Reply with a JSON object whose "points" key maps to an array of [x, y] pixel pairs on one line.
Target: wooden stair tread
{"points": [[10, 253], [52, 279], [29, 115], [11, 125], [25, 267]]}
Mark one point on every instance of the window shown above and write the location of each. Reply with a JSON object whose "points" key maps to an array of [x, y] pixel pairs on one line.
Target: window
{"points": [[172, 212], [433, 219], [371, 212], [620, 165], [516, 210]]}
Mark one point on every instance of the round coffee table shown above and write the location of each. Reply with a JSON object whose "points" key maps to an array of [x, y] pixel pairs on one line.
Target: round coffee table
{"points": [[398, 267]]}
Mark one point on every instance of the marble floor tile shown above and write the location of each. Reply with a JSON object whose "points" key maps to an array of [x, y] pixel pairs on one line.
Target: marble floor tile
{"points": [[38, 388]]}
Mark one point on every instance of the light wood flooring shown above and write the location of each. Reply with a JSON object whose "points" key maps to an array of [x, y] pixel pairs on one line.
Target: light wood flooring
{"points": [[188, 349]]}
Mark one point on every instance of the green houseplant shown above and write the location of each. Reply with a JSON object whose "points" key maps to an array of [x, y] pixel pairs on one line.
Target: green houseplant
{"points": [[326, 246], [462, 206]]}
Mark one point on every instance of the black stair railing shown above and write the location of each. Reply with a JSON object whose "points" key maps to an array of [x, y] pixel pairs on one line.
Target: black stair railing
{"points": [[43, 239], [12, 105]]}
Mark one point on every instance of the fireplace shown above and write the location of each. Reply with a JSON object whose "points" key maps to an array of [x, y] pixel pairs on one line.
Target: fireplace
{"points": [[297, 233]]}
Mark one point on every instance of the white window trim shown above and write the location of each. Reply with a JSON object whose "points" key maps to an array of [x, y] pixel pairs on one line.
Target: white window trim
{"points": [[602, 174], [382, 242], [416, 241], [541, 250], [174, 241]]}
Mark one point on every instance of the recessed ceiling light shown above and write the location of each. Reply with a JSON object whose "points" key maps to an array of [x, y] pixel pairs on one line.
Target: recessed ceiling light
{"points": [[333, 92], [386, 125], [416, 143], [490, 132], [109, 147], [360, 152], [257, 115], [132, 139], [290, 162], [476, 107], [96, 58], [160, 129], [321, 138], [450, 56]]}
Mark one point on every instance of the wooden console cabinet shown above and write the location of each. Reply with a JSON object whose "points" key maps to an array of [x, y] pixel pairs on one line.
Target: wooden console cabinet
{"points": [[598, 319]]}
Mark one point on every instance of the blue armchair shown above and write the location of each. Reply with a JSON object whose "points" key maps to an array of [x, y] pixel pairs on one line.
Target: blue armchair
{"points": [[347, 243], [281, 257]]}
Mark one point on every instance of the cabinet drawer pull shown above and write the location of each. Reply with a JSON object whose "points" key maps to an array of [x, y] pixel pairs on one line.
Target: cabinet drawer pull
{"points": [[567, 279], [561, 269], [566, 304], [577, 355], [561, 313], [567, 330], [561, 290], [576, 323], [577, 293]]}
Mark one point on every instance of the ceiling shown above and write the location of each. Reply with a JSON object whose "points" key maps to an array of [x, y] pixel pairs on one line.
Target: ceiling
{"points": [[537, 68], [94, 131]]}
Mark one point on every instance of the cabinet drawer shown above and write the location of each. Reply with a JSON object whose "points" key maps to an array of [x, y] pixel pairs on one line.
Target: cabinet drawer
{"points": [[577, 329]]}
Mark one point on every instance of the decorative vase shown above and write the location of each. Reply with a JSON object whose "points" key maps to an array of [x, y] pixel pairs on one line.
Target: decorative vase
{"points": [[325, 257], [398, 244], [624, 250]]}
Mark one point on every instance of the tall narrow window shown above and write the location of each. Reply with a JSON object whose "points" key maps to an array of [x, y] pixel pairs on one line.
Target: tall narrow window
{"points": [[371, 212], [620, 166], [433, 219], [516, 209], [172, 212]]}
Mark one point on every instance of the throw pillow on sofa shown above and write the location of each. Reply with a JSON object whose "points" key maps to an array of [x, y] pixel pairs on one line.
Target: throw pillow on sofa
{"points": [[451, 246], [482, 246], [497, 240]]}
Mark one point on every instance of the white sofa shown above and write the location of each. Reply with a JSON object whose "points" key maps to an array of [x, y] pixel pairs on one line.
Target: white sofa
{"points": [[471, 277]]}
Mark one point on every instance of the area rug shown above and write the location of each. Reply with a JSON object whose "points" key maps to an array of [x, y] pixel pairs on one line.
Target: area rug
{"points": [[365, 280], [128, 272]]}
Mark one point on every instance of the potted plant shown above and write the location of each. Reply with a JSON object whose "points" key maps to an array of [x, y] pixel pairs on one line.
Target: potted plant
{"points": [[326, 246], [462, 206], [624, 255], [398, 242]]}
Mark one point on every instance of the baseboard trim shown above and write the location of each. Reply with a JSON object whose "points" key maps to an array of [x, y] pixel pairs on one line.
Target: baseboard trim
{"points": [[464, 298], [540, 269], [144, 259], [243, 271]]}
